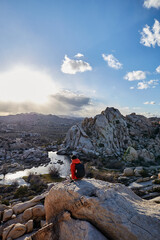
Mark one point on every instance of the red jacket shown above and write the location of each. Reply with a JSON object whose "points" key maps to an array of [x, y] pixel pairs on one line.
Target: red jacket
{"points": [[74, 162]]}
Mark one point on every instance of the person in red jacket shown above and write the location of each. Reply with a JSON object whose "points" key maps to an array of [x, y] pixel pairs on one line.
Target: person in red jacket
{"points": [[75, 160]]}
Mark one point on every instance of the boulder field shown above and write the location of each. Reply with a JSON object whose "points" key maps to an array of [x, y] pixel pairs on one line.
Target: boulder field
{"points": [[94, 209]]}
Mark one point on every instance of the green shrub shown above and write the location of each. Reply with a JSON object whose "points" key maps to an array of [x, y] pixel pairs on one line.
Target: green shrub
{"points": [[21, 191], [54, 172], [36, 183], [6, 202], [144, 173], [157, 181]]}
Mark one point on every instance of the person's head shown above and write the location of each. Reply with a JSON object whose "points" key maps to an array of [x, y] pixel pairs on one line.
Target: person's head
{"points": [[74, 157]]}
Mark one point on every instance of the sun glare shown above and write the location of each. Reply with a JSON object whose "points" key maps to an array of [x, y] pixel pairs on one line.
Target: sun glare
{"points": [[23, 83]]}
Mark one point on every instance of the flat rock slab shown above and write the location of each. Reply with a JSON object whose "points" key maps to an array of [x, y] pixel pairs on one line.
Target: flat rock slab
{"points": [[140, 185]]}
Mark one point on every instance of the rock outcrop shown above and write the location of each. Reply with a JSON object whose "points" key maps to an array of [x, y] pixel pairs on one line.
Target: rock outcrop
{"points": [[109, 134], [110, 211]]}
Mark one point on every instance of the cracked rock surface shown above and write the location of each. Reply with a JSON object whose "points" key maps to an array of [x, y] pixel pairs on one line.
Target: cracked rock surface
{"points": [[112, 209]]}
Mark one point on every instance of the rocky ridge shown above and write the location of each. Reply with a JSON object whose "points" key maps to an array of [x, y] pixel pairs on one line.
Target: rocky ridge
{"points": [[109, 134]]}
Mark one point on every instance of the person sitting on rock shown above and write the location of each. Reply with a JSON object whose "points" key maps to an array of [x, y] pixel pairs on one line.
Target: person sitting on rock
{"points": [[77, 169]]}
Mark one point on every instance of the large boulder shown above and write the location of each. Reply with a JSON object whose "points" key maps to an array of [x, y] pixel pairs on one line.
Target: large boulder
{"points": [[146, 155], [111, 208], [21, 207], [14, 231], [128, 172], [131, 154], [7, 214], [38, 211], [138, 171], [29, 226]]}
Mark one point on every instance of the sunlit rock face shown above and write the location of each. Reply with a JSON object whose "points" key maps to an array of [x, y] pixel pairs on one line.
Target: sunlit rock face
{"points": [[105, 134], [113, 211], [110, 134]]}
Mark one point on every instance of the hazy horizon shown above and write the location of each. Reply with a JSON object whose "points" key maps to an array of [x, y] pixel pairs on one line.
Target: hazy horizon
{"points": [[77, 58]]}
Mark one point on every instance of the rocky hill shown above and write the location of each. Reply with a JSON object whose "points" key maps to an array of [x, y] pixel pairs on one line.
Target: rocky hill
{"points": [[110, 135], [49, 126]]}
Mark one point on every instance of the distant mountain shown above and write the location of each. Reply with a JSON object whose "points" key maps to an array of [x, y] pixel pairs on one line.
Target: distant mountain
{"points": [[70, 117], [37, 117], [51, 126]]}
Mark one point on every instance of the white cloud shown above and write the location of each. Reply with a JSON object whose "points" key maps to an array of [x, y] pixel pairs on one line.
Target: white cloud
{"points": [[158, 69], [135, 75], [132, 88], [149, 84], [28, 89], [112, 61], [153, 82], [149, 103], [152, 3], [142, 85], [71, 66], [79, 55], [151, 37]]}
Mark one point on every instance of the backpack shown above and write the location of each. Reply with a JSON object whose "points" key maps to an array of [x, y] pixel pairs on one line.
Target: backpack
{"points": [[79, 170]]}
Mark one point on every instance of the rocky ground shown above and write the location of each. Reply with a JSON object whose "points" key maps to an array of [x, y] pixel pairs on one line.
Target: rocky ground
{"points": [[87, 209]]}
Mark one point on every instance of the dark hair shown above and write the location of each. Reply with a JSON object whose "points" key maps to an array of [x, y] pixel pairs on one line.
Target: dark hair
{"points": [[73, 157]]}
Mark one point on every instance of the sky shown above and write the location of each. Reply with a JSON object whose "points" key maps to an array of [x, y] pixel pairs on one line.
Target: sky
{"points": [[78, 57]]}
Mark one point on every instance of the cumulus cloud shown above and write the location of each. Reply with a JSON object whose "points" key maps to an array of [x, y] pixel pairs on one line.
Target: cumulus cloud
{"points": [[132, 88], [149, 103], [158, 69], [152, 3], [149, 84], [71, 66], [151, 37], [79, 55], [112, 61], [135, 75], [142, 85]]}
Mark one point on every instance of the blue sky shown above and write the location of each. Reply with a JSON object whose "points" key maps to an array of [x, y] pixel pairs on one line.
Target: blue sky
{"points": [[79, 57]]}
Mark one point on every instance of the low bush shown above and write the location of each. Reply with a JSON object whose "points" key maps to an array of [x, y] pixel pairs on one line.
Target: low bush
{"points": [[144, 173], [157, 181], [101, 174], [36, 183], [6, 202], [21, 192], [54, 172]]}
